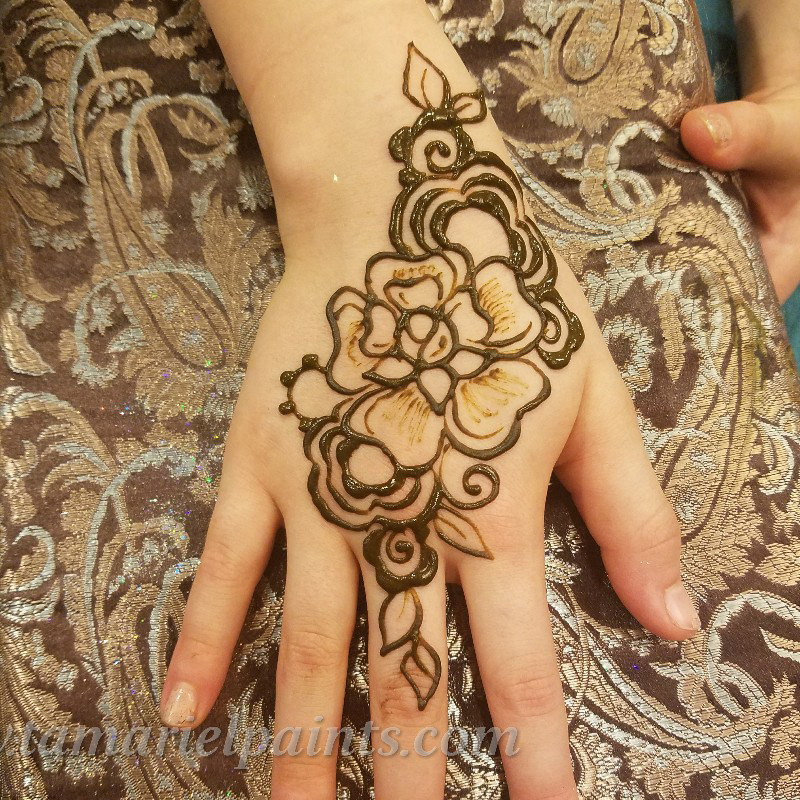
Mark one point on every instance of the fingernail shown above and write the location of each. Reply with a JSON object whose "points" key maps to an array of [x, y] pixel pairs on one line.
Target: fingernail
{"points": [[718, 126], [680, 608], [181, 706]]}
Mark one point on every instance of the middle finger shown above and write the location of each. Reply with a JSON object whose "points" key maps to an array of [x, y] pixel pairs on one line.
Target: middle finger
{"points": [[407, 673]]}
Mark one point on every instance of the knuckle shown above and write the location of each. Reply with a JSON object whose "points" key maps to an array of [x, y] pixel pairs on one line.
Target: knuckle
{"points": [[220, 563], [529, 689], [397, 702], [196, 645], [507, 528], [308, 653], [298, 777], [659, 528]]}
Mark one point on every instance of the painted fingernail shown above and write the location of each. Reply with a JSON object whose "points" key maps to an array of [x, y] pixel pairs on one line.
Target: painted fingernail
{"points": [[181, 706], [718, 126], [680, 608]]}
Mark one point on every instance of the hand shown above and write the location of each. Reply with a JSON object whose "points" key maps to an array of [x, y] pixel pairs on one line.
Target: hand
{"points": [[758, 135], [437, 382]]}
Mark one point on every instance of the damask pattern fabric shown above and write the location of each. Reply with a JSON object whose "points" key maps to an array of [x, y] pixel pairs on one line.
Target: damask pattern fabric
{"points": [[139, 248]]}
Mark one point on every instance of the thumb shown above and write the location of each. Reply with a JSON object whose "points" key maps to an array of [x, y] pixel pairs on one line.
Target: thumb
{"points": [[605, 468], [755, 136]]}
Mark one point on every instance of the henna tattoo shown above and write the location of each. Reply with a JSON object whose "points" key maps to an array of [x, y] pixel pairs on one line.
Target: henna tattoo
{"points": [[436, 359]]}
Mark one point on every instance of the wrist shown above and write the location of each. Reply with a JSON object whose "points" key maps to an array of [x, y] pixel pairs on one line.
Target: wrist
{"points": [[321, 86]]}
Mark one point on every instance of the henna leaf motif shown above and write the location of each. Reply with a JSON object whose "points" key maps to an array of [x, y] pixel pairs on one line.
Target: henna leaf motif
{"points": [[422, 668], [459, 532], [399, 619], [470, 106], [424, 84]]}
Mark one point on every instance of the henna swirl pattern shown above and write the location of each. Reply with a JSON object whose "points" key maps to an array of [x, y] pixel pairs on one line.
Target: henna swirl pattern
{"points": [[438, 357]]}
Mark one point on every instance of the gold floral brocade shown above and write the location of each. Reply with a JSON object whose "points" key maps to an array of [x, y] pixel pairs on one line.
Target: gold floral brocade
{"points": [[138, 250]]}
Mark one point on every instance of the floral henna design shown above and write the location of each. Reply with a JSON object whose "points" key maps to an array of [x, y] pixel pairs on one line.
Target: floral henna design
{"points": [[435, 362]]}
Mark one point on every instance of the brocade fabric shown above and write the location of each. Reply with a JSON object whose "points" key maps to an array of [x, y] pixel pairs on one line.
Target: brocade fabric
{"points": [[138, 250]]}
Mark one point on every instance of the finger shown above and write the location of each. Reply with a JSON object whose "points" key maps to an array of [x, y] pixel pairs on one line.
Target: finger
{"points": [[318, 618], [761, 137], [606, 469], [237, 548], [511, 630], [408, 758]]}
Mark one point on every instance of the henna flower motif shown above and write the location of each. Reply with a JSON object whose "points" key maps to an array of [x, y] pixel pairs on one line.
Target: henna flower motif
{"points": [[358, 481], [446, 348], [400, 559]]}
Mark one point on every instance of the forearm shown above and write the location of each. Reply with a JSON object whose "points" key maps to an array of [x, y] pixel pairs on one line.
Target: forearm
{"points": [[322, 83], [768, 42]]}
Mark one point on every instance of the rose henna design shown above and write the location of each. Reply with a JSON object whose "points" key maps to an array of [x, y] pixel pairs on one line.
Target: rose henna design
{"points": [[435, 362]]}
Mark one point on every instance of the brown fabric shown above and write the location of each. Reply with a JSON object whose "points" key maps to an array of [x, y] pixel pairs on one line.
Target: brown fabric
{"points": [[139, 248]]}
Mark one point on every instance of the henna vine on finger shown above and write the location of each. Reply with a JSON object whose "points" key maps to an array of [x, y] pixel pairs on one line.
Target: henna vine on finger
{"points": [[435, 362]]}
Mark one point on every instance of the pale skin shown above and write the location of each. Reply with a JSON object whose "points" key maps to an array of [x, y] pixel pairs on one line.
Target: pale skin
{"points": [[758, 134], [324, 141]]}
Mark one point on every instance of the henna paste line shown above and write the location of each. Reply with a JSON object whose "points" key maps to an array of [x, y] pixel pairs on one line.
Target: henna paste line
{"points": [[418, 378]]}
